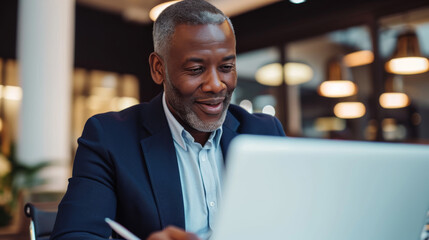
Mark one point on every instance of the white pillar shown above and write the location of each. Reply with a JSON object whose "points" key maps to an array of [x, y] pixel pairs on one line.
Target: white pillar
{"points": [[45, 55]]}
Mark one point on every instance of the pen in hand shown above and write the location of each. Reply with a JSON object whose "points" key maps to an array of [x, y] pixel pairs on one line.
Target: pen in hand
{"points": [[121, 230]]}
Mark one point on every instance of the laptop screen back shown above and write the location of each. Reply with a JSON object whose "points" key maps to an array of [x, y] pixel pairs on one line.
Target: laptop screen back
{"points": [[307, 189]]}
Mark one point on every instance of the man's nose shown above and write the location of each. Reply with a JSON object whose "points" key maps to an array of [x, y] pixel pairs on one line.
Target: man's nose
{"points": [[213, 82]]}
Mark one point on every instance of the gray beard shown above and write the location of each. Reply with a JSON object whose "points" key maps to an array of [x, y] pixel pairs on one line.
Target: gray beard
{"points": [[185, 112]]}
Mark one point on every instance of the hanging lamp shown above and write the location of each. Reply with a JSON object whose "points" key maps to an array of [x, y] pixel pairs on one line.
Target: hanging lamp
{"points": [[394, 97], [295, 73], [349, 110], [407, 58], [358, 58], [336, 84]]}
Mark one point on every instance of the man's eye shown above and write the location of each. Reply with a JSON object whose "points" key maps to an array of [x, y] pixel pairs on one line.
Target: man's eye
{"points": [[227, 68], [196, 70]]}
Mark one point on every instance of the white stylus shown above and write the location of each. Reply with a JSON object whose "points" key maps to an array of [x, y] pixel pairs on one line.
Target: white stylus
{"points": [[121, 230]]}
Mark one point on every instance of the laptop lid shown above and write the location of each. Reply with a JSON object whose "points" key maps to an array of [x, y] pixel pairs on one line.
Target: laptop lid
{"points": [[307, 189]]}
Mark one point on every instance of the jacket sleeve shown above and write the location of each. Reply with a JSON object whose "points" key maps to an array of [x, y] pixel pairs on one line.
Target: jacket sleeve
{"points": [[279, 127], [90, 196]]}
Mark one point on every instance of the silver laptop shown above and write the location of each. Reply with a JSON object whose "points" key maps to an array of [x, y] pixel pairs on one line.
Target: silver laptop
{"points": [[307, 189]]}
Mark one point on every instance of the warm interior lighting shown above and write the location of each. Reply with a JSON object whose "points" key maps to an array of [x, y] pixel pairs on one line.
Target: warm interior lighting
{"points": [[393, 100], [349, 110], [270, 75], [336, 84], [5, 166], [124, 102], [358, 58], [337, 88], [11, 92], [389, 125], [155, 11], [326, 124], [407, 58], [270, 110], [297, 1], [295, 73], [408, 65], [247, 105]]}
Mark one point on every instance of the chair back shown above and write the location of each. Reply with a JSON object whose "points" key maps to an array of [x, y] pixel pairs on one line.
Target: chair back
{"points": [[42, 222]]}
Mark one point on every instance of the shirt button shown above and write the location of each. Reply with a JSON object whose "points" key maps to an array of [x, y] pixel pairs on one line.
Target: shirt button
{"points": [[212, 204]]}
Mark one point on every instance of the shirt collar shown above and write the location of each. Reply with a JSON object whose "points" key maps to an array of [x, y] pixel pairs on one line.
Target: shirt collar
{"points": [[178, 131]]}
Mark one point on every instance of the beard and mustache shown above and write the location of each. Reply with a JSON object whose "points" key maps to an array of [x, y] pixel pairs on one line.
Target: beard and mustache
{"points": [[183, 107]]}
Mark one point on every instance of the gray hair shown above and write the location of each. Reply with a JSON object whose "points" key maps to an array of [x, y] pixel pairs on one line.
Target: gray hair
{"points": [[191, 12]]}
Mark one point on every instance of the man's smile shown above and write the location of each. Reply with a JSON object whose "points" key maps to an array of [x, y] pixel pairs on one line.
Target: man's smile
{"points": [[211, 106]]}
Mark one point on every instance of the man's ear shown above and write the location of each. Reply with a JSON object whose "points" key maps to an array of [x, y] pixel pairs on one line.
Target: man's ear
{"points": [[156, 68]]}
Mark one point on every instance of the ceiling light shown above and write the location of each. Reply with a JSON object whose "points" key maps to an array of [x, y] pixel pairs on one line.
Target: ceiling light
{"points": [[247, 105], [11, 92], [155, 11], [297, 1], [336, 86], [408, 65], [270, 75], [358, 58], [392, 100], [295, 73], [349, 110], [407, 58], [270, 110], [394, 97], [326, 124]]}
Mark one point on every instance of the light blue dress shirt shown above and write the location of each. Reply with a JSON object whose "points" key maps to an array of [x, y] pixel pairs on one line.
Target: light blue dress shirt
{"points": [[201, 170]]}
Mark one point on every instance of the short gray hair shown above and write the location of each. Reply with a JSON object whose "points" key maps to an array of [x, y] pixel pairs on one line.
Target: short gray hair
{"points": [[191, 12]]}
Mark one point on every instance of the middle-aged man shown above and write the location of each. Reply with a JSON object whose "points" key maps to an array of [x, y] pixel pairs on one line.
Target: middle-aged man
{"points": [[160, 163]]}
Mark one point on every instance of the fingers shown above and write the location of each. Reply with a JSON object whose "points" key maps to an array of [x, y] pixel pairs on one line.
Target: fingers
{"points": [[172, 233]]}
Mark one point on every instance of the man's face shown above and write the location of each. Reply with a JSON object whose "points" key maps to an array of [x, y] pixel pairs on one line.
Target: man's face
{"points": [[200, 74]]}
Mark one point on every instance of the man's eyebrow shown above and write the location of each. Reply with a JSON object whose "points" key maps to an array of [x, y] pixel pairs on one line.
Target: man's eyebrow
{"points": [[200, 60], [194, 59], [227, 58]]}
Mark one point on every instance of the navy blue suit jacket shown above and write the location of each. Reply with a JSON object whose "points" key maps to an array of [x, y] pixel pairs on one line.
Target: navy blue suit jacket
{"points": [[126, 169]]}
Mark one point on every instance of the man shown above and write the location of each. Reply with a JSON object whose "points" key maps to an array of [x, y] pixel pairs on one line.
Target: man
{"points": [[160, 164]]}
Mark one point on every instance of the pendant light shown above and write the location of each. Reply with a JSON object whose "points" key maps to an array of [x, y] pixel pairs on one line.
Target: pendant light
{"points": [[394, 97], [336, 84], [295, 73], [349, 110], [358, 58], [407, 58]]}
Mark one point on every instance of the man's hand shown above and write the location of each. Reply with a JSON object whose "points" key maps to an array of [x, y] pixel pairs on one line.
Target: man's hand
{"points": [[172, 233]]}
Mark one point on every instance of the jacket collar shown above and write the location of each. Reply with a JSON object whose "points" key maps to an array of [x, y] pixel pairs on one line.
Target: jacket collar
{"points": [[163, 170], [160, 156]]}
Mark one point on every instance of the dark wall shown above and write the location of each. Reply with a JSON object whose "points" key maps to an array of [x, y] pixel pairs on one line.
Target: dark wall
{"points": [[105, 41], [283, 21], [8, 23]]}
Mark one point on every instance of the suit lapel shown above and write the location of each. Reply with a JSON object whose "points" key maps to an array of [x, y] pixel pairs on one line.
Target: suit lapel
{"points": [[160, 156], [161, 160]]}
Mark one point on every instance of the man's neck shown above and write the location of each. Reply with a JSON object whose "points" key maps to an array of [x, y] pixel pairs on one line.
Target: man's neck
{"points": [[199, 137]]}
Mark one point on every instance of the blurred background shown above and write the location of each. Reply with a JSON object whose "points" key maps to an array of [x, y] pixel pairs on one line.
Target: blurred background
{"points": [[353, 70]]}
